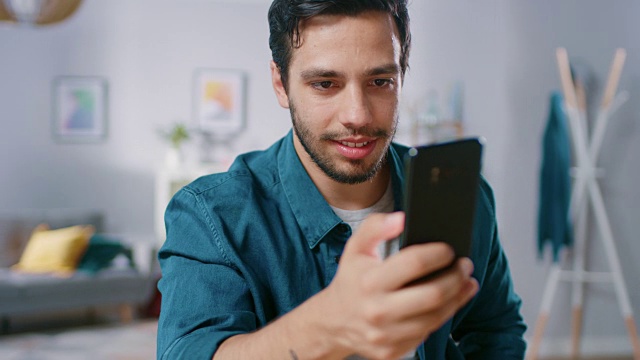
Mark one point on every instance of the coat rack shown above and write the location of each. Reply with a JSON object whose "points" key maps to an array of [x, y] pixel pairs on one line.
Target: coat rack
{"points": [[585, 195]]}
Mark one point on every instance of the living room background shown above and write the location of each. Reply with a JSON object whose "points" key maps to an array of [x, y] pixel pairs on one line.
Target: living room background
{"points": [[503, 52]]}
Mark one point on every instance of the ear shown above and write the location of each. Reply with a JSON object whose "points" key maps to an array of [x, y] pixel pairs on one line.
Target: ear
{"points": [[278, 87]]}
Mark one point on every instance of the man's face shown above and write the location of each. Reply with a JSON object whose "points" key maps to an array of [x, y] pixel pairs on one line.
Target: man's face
{"points": [[343, 89]]}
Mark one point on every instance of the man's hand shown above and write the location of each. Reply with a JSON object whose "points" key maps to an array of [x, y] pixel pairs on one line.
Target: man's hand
{"points": [[367, 309], [370, 309]]}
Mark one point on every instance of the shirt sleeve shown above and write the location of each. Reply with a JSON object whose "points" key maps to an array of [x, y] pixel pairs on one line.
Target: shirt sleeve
{"points": [[491, 326], [205, 299]]}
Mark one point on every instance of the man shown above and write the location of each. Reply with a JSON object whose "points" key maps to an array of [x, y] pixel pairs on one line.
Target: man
{"points": [[265, 262]]}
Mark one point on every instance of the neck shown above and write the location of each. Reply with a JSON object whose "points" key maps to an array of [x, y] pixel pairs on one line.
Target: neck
{"points": [[356, 196], [341, 195]]}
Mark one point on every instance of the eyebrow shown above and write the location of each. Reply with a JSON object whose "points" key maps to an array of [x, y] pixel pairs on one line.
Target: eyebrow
{"points": [[318, 73], [385, 69], [325, 73]]}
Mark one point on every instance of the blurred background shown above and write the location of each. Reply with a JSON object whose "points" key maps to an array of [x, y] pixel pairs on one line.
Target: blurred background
{"points": [[481, 68]]}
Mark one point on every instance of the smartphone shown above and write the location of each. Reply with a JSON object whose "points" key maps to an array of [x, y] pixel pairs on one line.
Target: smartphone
{"points": [[441, 184]]}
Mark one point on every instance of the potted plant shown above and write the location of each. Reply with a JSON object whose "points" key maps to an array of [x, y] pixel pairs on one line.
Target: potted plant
{"points": [[177, 135]]}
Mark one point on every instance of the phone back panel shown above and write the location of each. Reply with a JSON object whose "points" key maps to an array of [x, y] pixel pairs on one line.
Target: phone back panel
{"points": [[440, 193]]}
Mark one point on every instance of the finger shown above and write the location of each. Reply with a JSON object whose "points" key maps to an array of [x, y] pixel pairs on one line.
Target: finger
{"points": [[410, 264], [445, 289], [423, 298], [443, 314], [375, 229], [420, 326]]}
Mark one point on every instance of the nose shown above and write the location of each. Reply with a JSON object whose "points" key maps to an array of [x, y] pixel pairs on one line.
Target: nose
{"points": [[356, 109]]}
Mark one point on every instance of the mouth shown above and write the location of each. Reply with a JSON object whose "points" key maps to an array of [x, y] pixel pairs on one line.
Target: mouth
{"points": [[355, 144], [355, 150]]}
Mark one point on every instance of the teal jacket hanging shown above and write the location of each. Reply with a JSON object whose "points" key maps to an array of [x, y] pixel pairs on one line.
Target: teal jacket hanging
{"points": [[554, 227]]}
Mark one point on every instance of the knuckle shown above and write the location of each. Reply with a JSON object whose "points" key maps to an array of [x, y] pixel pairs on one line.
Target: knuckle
{"points": [[414, 262], [374, 315], [431, 257], [419, 264], [443, 251], [375, 338], [385, 353], [430, 304], [446, 253], [437, 295]]}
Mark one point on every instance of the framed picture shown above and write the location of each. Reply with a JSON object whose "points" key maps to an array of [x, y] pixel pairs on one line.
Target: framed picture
{"points": [[219, 100], [79, 109]]}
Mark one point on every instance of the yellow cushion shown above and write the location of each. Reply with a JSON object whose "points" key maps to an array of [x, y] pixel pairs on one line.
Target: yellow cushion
{"points": [[55, 251]]}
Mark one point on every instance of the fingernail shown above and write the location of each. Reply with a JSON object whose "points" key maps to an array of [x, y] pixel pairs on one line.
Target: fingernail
{"points": [[475, 286], [467, 266]]}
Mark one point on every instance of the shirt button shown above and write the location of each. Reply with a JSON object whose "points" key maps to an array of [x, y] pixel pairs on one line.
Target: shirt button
{"points": [[343, 228]]}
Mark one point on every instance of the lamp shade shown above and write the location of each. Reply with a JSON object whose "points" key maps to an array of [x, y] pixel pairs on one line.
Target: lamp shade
{"points": [[37, 12]]}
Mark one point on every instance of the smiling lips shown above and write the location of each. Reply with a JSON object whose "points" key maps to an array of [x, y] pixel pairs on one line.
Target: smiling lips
{"points": [[355, 150], [352, 144]]}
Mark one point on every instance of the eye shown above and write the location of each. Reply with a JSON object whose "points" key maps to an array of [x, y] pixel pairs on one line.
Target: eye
{"points": [[322, 84], [382, 82]]}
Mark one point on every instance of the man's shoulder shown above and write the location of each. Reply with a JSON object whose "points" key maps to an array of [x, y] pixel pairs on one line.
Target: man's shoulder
{"points": [[251, 169], [486, 197], [219, 180]]}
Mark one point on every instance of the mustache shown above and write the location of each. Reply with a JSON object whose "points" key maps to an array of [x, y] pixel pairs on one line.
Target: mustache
{"points": [[368, 132]]}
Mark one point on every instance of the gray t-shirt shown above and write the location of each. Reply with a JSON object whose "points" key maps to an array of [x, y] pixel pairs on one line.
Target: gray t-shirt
{"points": [[354, 218]]}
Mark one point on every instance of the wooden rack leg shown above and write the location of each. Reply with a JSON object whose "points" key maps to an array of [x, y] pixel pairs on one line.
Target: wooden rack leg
{"points": [[576, 328], [580, 243], [633, 334], [547, 298], [541, 323]]}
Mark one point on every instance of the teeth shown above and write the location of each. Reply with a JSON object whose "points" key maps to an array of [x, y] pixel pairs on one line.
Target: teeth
{"points": [[356, 145]]}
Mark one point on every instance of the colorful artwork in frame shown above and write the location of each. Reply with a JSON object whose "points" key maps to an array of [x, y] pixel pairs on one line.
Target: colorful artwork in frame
{"points": [[219, 101], [79, 109]]}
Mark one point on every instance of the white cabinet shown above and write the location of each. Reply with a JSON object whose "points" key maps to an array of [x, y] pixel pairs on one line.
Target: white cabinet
{"points": [[168, 182]]}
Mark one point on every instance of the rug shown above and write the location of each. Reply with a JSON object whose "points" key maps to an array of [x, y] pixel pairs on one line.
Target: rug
{"points": [[135, 341]]}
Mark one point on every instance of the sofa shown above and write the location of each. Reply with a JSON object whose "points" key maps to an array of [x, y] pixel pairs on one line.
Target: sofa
{"points": [[122, 284]]}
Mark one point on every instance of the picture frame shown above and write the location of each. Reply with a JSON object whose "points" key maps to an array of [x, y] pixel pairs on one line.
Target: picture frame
{"points": [[79, 109], [219, 101]]}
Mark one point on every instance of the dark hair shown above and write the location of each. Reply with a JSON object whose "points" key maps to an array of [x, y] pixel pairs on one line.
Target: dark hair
{"points": [[285, 17]]}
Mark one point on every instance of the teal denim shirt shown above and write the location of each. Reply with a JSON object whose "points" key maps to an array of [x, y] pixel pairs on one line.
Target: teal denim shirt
{"points": [[247, 246]]}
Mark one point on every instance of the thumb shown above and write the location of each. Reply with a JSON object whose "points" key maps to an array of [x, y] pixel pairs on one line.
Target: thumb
{"points": [[375, 229]]}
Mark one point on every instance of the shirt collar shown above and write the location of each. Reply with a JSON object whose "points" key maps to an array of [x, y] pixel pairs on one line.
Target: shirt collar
{"points": [[312, 212], [395, 157]]}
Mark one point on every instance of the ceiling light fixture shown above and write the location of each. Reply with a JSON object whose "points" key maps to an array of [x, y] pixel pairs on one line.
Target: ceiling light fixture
{"points": [[37, 12]]}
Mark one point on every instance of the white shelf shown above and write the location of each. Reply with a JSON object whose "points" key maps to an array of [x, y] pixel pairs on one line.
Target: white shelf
{"points": [[168, 182]]}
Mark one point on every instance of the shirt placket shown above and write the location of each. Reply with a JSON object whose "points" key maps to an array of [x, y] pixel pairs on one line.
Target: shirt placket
{"points": [[336, 241]]}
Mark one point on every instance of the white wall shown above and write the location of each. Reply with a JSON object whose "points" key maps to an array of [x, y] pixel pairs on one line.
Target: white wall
{"points": [[502, 50], [147, 51], [591, 31]]}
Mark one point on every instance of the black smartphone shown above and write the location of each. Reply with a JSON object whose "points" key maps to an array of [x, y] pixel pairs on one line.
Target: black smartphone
{"points": [[441, 184]]}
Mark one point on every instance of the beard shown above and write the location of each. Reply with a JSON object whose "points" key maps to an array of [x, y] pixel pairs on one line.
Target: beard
{"points": [[358, 170]]}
